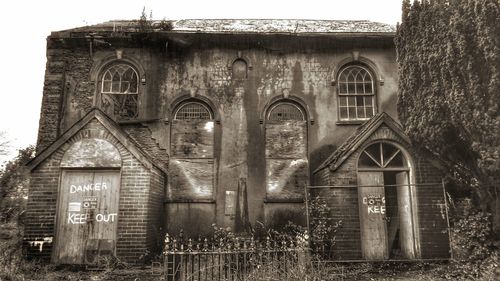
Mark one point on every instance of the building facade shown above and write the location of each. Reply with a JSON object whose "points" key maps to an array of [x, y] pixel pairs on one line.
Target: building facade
{"points": [[169, 128]]}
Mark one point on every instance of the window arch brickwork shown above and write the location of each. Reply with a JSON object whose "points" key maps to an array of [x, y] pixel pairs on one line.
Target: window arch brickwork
{"points": [[356, 93], [120, 91]]}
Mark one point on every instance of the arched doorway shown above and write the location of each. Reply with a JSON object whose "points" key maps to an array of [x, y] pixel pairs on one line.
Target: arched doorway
{"points": [[89, 192], [385, 199]]}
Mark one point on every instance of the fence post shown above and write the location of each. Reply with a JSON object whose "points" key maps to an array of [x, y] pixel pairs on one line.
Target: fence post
{"points": [[303, 258]]}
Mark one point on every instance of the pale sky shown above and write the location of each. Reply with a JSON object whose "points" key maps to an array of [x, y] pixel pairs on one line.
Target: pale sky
{"points": [[26, 24]]}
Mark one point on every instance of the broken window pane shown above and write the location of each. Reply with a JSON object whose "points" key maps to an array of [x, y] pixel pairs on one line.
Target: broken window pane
{"points": [[119, 91]]}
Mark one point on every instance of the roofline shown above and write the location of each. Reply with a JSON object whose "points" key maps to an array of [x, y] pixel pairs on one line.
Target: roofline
{"points": [[381, 118], [340, 35], [103, 118]]}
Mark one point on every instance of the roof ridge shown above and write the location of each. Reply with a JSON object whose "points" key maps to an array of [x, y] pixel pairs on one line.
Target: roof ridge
{"points": [[249, 25]]}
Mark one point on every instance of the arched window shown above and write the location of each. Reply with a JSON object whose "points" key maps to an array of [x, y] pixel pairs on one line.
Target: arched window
{"points": [[193, 111], [192, 152], [285, 111], [119, 91], [356, 91], [239, 69], [286, 151], [382, 155]]}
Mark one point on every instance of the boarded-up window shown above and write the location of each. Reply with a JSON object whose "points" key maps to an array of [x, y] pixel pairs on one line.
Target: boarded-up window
{"points": [[120, 91], [286, 151], [191, 149]]}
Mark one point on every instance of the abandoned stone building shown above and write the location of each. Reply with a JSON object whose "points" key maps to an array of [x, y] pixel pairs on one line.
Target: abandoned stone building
{"points": [[148, 129]]}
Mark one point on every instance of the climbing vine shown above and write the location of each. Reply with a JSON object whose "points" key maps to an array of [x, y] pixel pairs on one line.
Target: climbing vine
{"points": [[449, 89]]}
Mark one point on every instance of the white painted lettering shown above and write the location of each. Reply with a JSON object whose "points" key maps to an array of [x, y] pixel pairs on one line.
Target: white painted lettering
{"points": [[75, 218], [382, 210], [105, 218], [88, 187]]}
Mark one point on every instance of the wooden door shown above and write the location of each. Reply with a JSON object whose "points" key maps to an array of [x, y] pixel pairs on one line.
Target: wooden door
{"points": [[371, 198], [87, 216], [406, 237]]}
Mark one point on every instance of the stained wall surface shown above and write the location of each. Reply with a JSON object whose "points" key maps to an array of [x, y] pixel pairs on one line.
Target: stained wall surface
{"points": [[200, 68]]}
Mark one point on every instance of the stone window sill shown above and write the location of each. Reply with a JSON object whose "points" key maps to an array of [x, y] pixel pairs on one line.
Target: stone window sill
{"points": [[208, 201], [284, 200], [350, 122]]}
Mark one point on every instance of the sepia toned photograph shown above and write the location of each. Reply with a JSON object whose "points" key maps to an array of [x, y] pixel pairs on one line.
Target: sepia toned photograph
{"points": [[250, 140]]}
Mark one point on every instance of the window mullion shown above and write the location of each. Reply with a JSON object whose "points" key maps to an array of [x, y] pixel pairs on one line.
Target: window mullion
{"points": [[373, 158], [390, 158], [381, 156]]}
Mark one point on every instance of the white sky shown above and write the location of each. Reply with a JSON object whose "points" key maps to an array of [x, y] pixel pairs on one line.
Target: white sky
{"points": [[26, 24]]}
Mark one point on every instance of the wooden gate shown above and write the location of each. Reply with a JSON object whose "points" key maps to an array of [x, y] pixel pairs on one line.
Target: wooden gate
{"points": [[87, 216]]}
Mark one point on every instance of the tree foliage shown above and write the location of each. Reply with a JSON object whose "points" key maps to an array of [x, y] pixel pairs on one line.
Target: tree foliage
{"points": [[449, 88], [14, 181]]}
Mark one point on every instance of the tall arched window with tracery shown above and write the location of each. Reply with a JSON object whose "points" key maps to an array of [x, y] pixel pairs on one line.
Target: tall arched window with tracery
{"points": [[120, 91], [192, 151], [356, 93], [286, 151]]}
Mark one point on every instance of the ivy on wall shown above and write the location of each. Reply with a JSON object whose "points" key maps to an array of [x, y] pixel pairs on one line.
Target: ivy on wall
{"points": [[449, 89]]}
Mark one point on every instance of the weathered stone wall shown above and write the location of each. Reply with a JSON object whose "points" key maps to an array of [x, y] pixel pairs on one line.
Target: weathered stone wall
{"points": [[305, 73], [67, 90], [241, 105]]}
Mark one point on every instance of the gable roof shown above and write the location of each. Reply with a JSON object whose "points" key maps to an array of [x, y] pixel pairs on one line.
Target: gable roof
{"points": [[112, 127], [231, 26], [357, 139]]}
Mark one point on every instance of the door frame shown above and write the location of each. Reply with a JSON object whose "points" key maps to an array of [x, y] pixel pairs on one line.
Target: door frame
{"points": [[62, 171], [412, 187]]}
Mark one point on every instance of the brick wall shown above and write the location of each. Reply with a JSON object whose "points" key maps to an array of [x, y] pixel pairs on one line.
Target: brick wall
{"points": [[156, 216], [41, 207], [139, 204], [433, 224], [343, 202]]}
